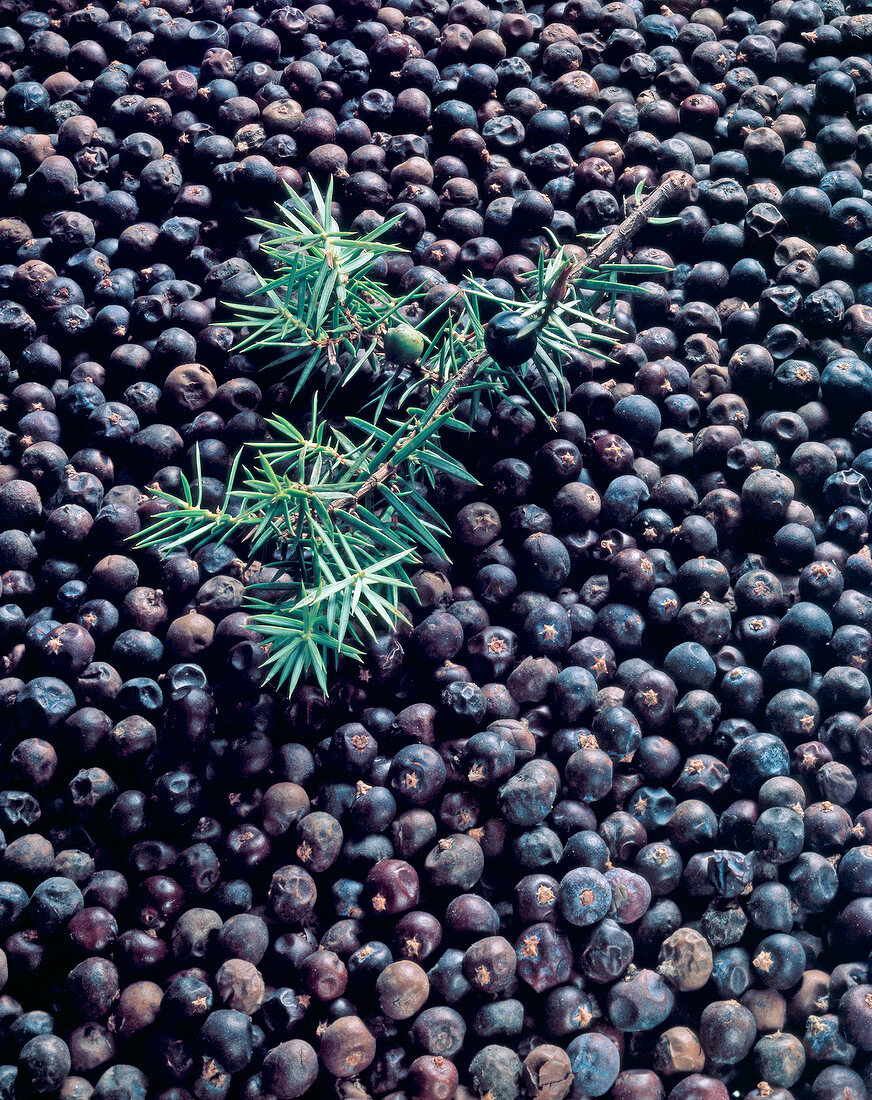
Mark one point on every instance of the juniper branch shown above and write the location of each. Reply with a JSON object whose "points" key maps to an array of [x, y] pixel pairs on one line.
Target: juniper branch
{"points": [[346, 516]]}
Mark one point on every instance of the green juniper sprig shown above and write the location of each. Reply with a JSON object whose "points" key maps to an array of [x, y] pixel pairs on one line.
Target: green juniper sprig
{"points": [[340, 532], [321, 301], [339, 507]]}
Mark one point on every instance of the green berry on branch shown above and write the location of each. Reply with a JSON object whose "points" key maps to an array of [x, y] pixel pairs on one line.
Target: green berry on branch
{"points": [[403, 345]]}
